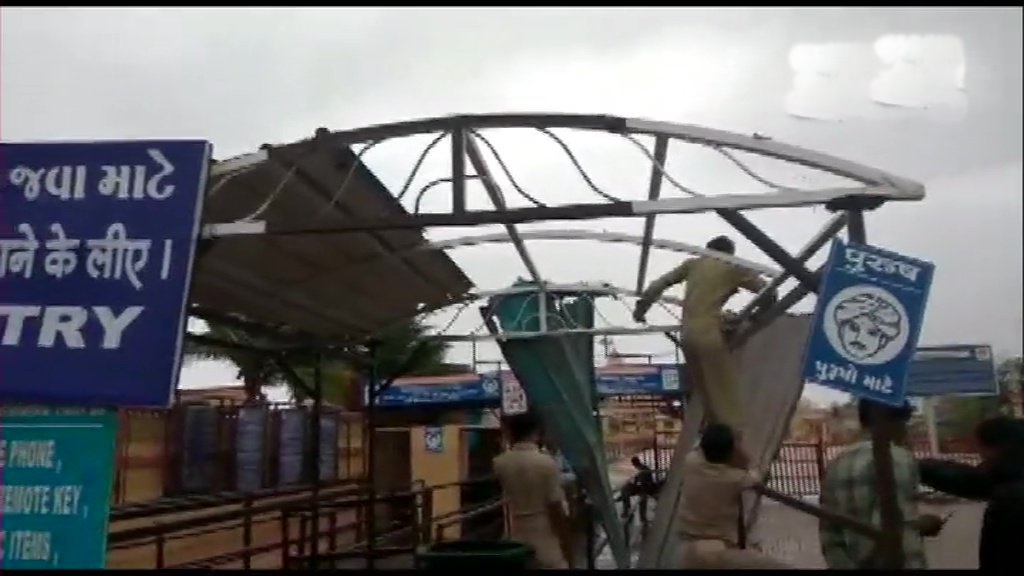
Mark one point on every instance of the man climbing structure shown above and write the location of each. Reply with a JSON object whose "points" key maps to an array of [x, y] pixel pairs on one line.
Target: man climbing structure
{"points": [[710, 282]]}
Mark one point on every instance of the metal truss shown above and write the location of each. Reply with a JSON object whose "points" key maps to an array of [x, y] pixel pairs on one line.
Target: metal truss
{"points": [[869, 188]]}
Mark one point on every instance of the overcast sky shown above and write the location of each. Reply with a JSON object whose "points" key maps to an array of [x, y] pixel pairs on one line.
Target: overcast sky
{"points": [[862, 84]]}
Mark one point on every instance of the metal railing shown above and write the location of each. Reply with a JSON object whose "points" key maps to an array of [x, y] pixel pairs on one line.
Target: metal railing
{"points": [[400, 536]]}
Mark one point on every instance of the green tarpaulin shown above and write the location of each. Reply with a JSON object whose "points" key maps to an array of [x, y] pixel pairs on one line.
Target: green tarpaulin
{"points": [[556, 372]]}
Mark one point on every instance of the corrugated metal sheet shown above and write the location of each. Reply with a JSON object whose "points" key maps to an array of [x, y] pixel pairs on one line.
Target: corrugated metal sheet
{"points": [[311, 281], [769, 367]]}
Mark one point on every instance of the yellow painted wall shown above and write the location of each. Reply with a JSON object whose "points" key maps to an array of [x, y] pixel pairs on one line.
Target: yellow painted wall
{"points": [[444, 467], [142, 472]]}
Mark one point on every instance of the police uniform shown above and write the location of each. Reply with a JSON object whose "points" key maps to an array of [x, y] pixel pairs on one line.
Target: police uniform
{"points": [[530, 481], [709, 514], [709, 285]]}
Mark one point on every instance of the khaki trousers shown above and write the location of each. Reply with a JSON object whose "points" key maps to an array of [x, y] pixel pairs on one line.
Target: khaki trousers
{"points": [[536, 532], [714, 376]]}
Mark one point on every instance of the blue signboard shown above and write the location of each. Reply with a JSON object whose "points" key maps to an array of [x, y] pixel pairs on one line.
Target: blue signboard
{"points": [[867, 322], [966, 369], [638, 381], [96, 249], [56, 476], [487, 389], [470, 388], [250, 435]]}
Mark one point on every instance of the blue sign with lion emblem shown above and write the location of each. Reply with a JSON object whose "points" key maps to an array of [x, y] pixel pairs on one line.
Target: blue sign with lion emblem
{"points": [[866, 325]]}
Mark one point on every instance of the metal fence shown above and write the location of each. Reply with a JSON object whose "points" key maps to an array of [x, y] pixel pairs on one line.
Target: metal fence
{"points": [[799, 468]]}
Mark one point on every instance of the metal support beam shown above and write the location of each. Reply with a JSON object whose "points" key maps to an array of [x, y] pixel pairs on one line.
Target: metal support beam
{"points": [[498, 199], [459, 171], [883, 432], [370, 464], [770, 247], [849, 522], [610, 330], [832, 227], [855, 229], [798, 293], [589, 211], [314, 465], [790, 299], [653, 193]]}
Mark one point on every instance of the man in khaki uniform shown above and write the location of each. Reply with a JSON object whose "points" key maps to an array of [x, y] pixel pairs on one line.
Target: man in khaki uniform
{"points": [[531, 482], [709, 285], [714, 478]]}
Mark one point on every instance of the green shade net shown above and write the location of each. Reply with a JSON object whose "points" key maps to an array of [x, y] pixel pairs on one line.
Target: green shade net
{"points": [[556, 373]]}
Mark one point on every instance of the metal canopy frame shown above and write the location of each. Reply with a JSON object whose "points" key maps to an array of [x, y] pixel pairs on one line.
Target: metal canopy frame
{"points": [[302, 169]]}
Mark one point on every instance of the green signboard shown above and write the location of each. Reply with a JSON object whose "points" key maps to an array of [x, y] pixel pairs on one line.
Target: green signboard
{"points": [[56, 476]]}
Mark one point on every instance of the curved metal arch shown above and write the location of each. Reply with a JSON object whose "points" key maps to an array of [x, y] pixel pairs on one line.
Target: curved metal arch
{"points": [[577, 234], [592, 288], [905, 188], [610, 237]]}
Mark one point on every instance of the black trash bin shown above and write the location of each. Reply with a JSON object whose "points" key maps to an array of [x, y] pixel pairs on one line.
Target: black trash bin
{"points": [[461, 554]]}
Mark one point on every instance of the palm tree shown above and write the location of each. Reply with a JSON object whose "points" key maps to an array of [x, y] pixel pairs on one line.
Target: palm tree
{"points": [[254, 370], [400, 352]]}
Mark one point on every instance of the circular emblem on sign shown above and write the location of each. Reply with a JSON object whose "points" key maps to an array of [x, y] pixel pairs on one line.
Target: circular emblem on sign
{"points": [[866, 324], [490, 385], [433, 440]]}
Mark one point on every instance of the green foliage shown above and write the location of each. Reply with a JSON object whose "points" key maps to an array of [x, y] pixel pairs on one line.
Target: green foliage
{"points": [[254, 370], [400, 352]]}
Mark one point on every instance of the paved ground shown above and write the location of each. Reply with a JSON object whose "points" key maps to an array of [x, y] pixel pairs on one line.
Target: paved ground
{"points": [[793, 536]]}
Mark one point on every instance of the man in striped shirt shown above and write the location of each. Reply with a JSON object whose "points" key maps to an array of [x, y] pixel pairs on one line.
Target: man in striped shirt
{"points": [[850, 488]]}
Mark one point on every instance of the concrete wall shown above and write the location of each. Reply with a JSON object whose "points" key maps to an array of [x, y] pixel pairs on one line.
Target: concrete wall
{"points": [[445, 466]]}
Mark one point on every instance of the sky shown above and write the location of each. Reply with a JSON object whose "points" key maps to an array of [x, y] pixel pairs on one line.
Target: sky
{"points": [[930, 94]]}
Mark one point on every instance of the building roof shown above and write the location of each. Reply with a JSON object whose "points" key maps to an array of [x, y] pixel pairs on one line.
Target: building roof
{"points": [[218, 395]]}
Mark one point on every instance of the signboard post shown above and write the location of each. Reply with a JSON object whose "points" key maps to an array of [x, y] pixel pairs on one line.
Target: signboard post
{"points": [[57, 470], [867, 322], [96, 249]]}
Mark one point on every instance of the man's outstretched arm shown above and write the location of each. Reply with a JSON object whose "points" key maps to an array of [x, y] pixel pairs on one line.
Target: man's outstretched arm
{"points": [[754, 284], [955, 479], [655, 289]]}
